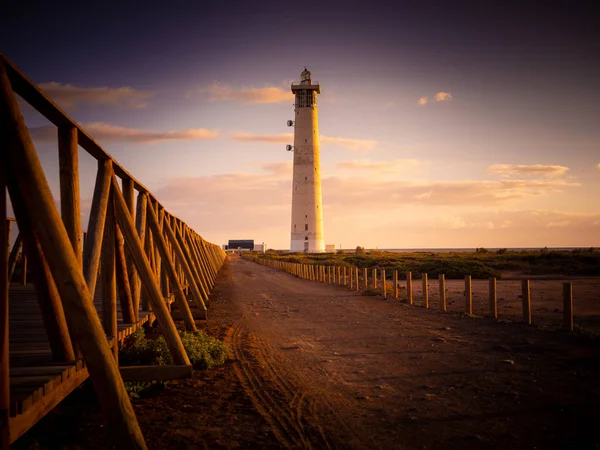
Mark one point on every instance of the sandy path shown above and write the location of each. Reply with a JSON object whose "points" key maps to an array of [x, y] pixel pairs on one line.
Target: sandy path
{"points": [[330, 368]]}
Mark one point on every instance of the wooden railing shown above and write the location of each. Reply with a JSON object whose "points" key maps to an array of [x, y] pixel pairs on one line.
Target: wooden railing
{"points": [[133, 247]]}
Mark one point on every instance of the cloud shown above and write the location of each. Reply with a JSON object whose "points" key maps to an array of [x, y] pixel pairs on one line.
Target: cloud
{"points": [[423, 101], [506, 170], [222, 92], [365, 145], [282, 138], [69, 96], [104, 133], [395, 208], [598, 166], [288, 138], [442, 96], [382, 166]]}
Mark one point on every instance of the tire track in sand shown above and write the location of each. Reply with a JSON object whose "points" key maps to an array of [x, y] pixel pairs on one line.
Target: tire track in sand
{"points": [[274, 397]]}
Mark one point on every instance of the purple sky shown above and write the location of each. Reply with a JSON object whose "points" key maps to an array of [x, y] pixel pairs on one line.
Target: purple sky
{"points": [[443, 124]]}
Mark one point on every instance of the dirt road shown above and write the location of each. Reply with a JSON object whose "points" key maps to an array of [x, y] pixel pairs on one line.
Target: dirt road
{"points": [[328, 367], [317, 366]]}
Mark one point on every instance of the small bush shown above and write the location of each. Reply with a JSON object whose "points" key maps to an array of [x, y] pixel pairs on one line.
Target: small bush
{"points": [[203, 350]]}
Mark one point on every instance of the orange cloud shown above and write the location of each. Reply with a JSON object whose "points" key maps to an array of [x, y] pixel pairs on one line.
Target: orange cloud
{"points": [[104, 133], [288, 138], [69, 96], [442, 96], [222, 92], [423, 101], [507, 170], [382, 166]]}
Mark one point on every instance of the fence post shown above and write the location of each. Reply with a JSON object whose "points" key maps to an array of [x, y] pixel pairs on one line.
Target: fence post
{"points": [[443, 303], [425, 281], [345, 279], [568, 306], [493, 300], [384, 285], [468, 295], [366, 278], [526, 293], [374, 274], [395, 284], [409, 298]]}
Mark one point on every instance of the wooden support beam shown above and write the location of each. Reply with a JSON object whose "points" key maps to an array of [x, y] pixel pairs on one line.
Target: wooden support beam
{"points": [[192, 263], [29, 179], [95, 233], [155, 373], [180, 299], [140, 225], [182, 261], [123, 285], [148, 281], [109, 278], [68, 160], [4, 281], [129, 196], [12, 259]]}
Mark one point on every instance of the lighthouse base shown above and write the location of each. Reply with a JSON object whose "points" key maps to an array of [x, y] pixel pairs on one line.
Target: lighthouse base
{"points": [[311, 246]]}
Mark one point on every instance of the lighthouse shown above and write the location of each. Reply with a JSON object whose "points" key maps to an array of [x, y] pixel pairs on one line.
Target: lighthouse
{"points": [[307, 203]]}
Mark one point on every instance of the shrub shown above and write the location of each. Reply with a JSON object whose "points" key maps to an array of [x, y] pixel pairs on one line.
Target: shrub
{"points": [[203, 350]]}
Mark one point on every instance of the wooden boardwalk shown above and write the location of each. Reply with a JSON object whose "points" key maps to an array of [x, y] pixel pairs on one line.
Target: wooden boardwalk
{"points": [[37, 382], [57, 331]]}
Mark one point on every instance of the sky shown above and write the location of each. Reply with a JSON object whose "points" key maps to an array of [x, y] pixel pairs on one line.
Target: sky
{"points": [[442, 124]]}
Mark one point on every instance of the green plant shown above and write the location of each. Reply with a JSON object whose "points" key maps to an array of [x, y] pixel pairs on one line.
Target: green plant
{"points": [[204, 351]]}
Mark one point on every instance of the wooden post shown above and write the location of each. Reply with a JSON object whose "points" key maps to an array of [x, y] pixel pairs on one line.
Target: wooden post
{"points": [[468, 295], [123, 279], [339, 276], [4, 350], [374, 276], [93, 244], [345, 277], [134, 246], [109, 279], [27, 174], [409, 296], [68, 160], [425, 288], [396, 290], [493, 300], [526, 292], [140, 225], [443, 302], [383, 283], [568, 306], [356, 279], [351, 278]]}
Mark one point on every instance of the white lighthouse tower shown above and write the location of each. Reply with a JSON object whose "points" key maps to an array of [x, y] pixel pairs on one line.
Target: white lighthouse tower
{"points": [[307, 203]]}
